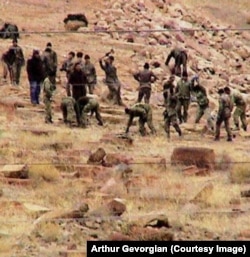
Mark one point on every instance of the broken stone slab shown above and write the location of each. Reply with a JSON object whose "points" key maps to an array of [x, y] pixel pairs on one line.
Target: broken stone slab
{"points": [[117, 139], [35, 209], [194, 170], [37, 131], [144, 163], [115, 207], [16, 181], [15, 171], [76, 213], [200, 156], [70, 175], [113, 159], [12, 102]]}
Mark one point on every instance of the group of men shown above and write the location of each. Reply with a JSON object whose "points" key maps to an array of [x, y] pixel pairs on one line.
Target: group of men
{"points": [[81, 77]]}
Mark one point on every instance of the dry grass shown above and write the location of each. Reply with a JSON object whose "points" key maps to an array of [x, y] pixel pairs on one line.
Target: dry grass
{"points": [[240, 173], [48, 172], [49, 232]]}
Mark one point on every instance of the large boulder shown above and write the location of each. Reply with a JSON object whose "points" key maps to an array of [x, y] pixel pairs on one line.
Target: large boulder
{"points": [[74, 21], [9, 30], [200, 156]]}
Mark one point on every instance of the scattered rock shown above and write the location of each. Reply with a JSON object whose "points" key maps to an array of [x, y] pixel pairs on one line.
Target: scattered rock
{"points": [[97, 157], [245, 193], [15, 171], [158, 222], [113, 159]]}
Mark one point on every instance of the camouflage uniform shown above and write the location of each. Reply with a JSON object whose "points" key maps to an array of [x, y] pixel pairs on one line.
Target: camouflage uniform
{"points": [[17, 64], [240, 110], [68, 66], [202, 101], [144, 112], [86, 105], [145, 77], [112, 82], [168, 91], [183, 93], [68, 108], [180, 57], [224, 114], [48, 89], [170, 116], [90, 72]]}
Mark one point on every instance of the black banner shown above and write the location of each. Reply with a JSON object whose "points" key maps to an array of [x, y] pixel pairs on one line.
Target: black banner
{"points": [[167, 248]]}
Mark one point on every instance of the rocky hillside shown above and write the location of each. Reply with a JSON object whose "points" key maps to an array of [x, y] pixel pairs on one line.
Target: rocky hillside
{"points": [[60, 187]]}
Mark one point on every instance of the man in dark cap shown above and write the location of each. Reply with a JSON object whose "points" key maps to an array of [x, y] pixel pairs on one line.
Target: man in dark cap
{"points": [[18, 63], [68, 64], [145, 77], [168, 89], [90, 72], [49, 58], [183, 93], [224, 113]]}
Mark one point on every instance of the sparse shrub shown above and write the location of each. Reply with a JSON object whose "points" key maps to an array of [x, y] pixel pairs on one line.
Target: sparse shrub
{"points": [[50, 232], [240, 173], [47, 172], [223, 162]]}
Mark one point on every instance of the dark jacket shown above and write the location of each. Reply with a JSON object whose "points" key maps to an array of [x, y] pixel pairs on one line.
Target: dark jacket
{"points": [[78, 81], [35, 69]]}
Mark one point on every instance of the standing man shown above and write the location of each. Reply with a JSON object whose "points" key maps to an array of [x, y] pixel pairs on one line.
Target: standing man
{"points": [[168, 89], [48, 90], [144, 112], [90, 72], [145, 78], [240, 110], [8, 59], [52, 57], [68, 64], [35, 73], [180, 57], [112, 81], [50, 60], [18, 63], [201, 97], [87, 105], [183, 93], [224, 113], [77, 82], [170, 116]]}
